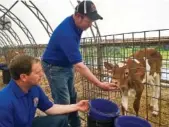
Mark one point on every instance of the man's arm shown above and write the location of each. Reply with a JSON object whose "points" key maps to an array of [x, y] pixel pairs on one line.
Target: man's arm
{"points": [[53, 109], [84, 71], [71, 50], [61, 109], [64, 109], [70, 47]]}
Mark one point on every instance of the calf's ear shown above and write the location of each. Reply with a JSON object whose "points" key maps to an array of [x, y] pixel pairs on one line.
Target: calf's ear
{"points": [[108, 66]]}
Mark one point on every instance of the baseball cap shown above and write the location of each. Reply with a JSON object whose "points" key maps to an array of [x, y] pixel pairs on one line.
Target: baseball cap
{"points": [[88, 9]]}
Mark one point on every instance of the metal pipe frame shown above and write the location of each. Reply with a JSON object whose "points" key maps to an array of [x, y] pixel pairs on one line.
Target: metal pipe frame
{"points": [[14, 18], [38, 14], [3, 42], [5, 35], [15, 36]]}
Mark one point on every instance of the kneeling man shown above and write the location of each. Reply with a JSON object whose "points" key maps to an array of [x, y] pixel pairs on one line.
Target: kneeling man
{"points": [[22, 96]]}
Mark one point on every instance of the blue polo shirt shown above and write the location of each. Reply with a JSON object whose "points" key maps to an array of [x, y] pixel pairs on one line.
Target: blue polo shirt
{"points": [[63, 47], [17, 109]]}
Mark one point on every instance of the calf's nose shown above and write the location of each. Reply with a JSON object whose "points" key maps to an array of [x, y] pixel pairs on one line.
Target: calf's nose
{"points": [[116, 82]]}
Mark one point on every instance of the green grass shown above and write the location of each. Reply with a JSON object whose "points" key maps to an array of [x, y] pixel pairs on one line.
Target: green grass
{"points": [[117, 52], [165, 54], [90, 54]]}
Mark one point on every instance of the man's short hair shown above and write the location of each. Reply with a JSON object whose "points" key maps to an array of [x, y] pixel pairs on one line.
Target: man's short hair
{"points": [[21, 64]]}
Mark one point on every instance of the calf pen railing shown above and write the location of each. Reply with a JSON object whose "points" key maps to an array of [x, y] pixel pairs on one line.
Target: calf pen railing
{"points": [[116, 48]]}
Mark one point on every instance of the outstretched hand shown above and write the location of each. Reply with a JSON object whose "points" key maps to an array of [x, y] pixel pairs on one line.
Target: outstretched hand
{"points": [[83, 105], [108, 86]]}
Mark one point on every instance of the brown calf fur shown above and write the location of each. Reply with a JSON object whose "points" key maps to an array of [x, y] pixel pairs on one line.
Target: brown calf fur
{"points": [[144, 66]]}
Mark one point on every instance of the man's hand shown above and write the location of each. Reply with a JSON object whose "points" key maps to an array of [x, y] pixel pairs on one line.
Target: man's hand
{"points": [[83, 105], [108, 86]]}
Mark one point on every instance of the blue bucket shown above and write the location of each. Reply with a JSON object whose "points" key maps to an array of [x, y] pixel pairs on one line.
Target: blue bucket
{"points": [[102, 109], [131, 121]]}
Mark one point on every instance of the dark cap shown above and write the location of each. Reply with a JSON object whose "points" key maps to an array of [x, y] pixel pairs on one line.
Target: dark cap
{"points": [[88, 9]]}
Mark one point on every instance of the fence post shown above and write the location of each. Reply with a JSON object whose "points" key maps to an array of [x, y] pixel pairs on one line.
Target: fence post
{"points": [[99, 58]]}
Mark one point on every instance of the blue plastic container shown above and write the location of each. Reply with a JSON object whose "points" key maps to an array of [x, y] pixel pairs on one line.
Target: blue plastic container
{"points": [[102, 109], [131, 121], [2, 66]]}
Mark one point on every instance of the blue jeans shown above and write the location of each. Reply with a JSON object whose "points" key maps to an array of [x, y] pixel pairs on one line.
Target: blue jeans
{"points": [[62, 88], [50, 121]]}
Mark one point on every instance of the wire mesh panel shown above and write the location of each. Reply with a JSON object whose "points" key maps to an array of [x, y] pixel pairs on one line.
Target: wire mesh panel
{"points": [[114, 49], [10, 52], [120, 47]]}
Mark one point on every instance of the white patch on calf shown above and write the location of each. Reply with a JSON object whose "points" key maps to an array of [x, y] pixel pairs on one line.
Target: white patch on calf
{"points": [[121, 64], [147, 66], [155, 74], [149, 79], [154, 81], [144, 80], [147, 76], [125, 103], [144, 58], [136, 61], [157, 94], [132, 92]]}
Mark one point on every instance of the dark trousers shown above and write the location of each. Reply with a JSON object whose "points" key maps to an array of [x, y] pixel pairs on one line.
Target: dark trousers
{"points": [[50, 121]]}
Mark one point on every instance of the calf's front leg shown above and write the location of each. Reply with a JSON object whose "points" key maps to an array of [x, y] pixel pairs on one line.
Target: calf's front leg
{"points": [[156, 95], [124, 102], [136, 104]]}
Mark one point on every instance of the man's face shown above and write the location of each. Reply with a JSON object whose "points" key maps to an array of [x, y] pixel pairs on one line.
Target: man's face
{"points": [[85, 22], [35, 76]]}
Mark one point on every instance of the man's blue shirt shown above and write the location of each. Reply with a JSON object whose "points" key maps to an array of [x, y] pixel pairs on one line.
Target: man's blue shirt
{"points": [[17, 109], [63, 47]]}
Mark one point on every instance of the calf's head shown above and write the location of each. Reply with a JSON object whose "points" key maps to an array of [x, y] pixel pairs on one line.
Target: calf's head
{"points": [[120, 74]]}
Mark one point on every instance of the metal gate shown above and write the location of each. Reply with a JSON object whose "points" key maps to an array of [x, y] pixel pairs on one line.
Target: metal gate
{"points": [[116, 48]]}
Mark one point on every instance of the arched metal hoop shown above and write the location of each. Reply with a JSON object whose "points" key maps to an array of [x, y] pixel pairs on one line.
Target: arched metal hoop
{"points": [[7, 38], [2, 41], [31, 6], [19, 23], [15, 36]]}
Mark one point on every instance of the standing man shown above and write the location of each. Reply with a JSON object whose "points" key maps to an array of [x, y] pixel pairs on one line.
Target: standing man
{"points": [[22, 96], [62, 55]]}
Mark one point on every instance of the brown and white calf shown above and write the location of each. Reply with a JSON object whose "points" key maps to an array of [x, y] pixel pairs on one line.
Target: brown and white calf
{"points": [[142, 67]]}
